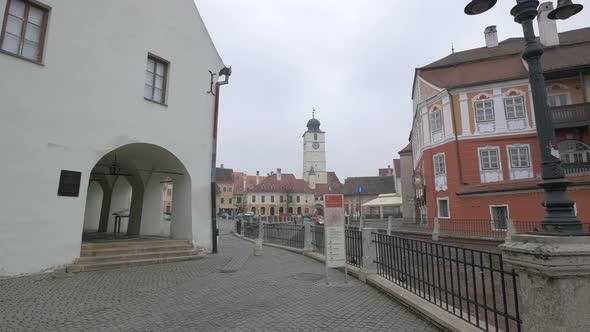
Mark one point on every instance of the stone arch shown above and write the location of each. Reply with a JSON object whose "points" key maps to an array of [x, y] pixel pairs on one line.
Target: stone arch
{"points": [[144, 167]]}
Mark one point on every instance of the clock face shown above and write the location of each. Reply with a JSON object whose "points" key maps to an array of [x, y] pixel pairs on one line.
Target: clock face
{"points": [[315, 145]]}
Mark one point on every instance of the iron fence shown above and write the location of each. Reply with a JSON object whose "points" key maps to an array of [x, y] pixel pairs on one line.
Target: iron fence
{"points": [[317, 238], [473, 227], [289, 235], [470, 284], [239, 227], [251, 229], [354, 247], [525, 226]]}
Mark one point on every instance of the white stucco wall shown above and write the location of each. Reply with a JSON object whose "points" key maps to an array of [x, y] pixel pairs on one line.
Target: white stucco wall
{"points": [[93, 207], [86, 100]]}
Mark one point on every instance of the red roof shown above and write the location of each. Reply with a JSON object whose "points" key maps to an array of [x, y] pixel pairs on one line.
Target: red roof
{"points": [[389, 171], [271, 184], [239, 188]]}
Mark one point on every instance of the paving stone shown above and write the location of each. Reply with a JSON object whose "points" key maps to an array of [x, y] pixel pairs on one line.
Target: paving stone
{"points": [[278, 291]]}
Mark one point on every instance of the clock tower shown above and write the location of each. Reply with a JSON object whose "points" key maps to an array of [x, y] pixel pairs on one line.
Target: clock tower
{"points": [[314, 154]]}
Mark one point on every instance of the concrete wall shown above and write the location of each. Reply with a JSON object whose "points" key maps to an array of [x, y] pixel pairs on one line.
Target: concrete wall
{"points": [[86, 100], [93, 207], [407, 189]]}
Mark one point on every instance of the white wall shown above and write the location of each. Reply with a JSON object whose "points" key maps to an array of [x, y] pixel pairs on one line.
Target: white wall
{"points": [[120, 201], [86, 100], [93, 207]]}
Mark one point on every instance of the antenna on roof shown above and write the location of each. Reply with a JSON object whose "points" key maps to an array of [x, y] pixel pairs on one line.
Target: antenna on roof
{"points": [[453, 48]]}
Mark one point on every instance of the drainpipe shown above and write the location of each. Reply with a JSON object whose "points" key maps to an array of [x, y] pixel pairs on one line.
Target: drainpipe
{"points": [[226, 72], [583, 87], [459, 164]]}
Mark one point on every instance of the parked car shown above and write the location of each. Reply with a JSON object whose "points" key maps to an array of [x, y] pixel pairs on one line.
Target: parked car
{"points": [[249, 214], [223, 215]]}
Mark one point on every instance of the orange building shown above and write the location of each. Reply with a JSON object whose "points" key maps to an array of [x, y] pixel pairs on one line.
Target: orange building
{"points": [[474, 141]]}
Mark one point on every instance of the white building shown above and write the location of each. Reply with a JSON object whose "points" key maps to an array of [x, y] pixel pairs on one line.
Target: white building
{"points": [[314, 154], [93, 88]]}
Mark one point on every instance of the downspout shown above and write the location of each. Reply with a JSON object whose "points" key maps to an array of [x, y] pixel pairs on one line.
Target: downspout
{"points": [[226, 72], [458, 154], [583, 87]]}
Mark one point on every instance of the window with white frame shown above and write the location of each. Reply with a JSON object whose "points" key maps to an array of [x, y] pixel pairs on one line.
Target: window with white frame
{"points": [[440, 166], [436, 121], [499, 217], [443, 208], [484, 111], [558, 99], [489, 158], [514, 107], [520, 156]]}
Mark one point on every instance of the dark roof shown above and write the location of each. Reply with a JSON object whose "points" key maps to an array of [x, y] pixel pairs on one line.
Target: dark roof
{"points": [[334, 183], [407, 149], [510, 46], [224, 175], [373, 185], [484, 65]]}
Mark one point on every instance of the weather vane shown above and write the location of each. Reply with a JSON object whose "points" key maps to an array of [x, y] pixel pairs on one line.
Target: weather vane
{"points": [[313, 112]]}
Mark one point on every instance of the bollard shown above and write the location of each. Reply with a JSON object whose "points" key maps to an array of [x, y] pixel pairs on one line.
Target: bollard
{"points": [[389, 221], [258, 242], [436, 230], [510, 230], [369, 265], [307, 246]]}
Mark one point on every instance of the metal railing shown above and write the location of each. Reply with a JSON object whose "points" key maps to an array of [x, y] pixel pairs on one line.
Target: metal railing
{"points": [[571, 115], [289, 235], [525, 226], [474, 227], [317, 238], [573, 169], [354, 247], [251, 229], [239, 227], [470, 284]]}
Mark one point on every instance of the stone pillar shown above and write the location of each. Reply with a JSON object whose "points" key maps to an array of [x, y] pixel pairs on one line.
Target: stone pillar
{"points": [[258, 242], [307, 246], [369, 266], [380, 212], [554, 281], [436, 230], [361, 222], [389, 221], [510, 230]]}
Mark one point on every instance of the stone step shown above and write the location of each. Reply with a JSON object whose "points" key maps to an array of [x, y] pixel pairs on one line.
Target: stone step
{"points": [[133, 244], [138, 256], [86, 252], [85, 267]]}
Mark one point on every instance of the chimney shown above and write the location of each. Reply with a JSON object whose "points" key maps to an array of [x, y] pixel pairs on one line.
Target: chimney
{"points": [[221, 165], [491, 35], [547, 27], [257, 177], [279, 174]]}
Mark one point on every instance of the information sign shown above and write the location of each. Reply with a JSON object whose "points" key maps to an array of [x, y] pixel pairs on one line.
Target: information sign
{"points": [[334, 231]]}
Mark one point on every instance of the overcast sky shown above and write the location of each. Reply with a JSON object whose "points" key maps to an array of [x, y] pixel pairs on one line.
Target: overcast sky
{"points": [[353, 60]]}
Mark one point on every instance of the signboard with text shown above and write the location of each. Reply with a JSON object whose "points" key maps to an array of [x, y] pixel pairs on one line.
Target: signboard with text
{"points": [[334, 231]]}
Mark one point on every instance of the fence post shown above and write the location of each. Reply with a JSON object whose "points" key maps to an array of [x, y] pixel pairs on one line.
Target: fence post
{"points": [[369, 266], [307, 246], [510, 230], [244, 225], [258, 242], [389, 221], [436, 230]]}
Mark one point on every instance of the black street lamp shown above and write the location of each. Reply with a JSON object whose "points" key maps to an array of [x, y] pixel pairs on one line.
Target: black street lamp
{"points": [[560, 218]]}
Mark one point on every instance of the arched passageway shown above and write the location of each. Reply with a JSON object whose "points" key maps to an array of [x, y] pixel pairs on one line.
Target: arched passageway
{"points": [[131, 188], [272, 211]]}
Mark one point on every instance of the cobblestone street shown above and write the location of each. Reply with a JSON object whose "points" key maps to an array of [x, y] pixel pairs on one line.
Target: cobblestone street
{"points": [[279, 291]]}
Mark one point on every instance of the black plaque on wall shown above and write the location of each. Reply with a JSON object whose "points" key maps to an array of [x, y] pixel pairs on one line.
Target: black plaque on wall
{"points": [[69, 183]]}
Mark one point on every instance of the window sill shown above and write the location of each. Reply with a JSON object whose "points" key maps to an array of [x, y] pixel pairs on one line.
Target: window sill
{"points": [[155, 102], [520, 118], [22, 58], [444, 217], [486, 121]]}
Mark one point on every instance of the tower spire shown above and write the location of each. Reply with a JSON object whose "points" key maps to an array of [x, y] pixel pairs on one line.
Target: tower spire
{"points": [[313, 113]]}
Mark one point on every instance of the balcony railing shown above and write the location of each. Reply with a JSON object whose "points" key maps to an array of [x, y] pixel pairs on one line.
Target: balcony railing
{"points": [[571, 169], [571, 115]]}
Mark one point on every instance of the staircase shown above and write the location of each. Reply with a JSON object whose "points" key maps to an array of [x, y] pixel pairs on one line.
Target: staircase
{"points": [[112, 255]]}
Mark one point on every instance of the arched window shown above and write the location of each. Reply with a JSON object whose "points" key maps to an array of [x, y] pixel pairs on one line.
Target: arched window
{"points": [[299, 210], [272, 211], [281, 210], [262, 211], [315, 137], [574, 152]]}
